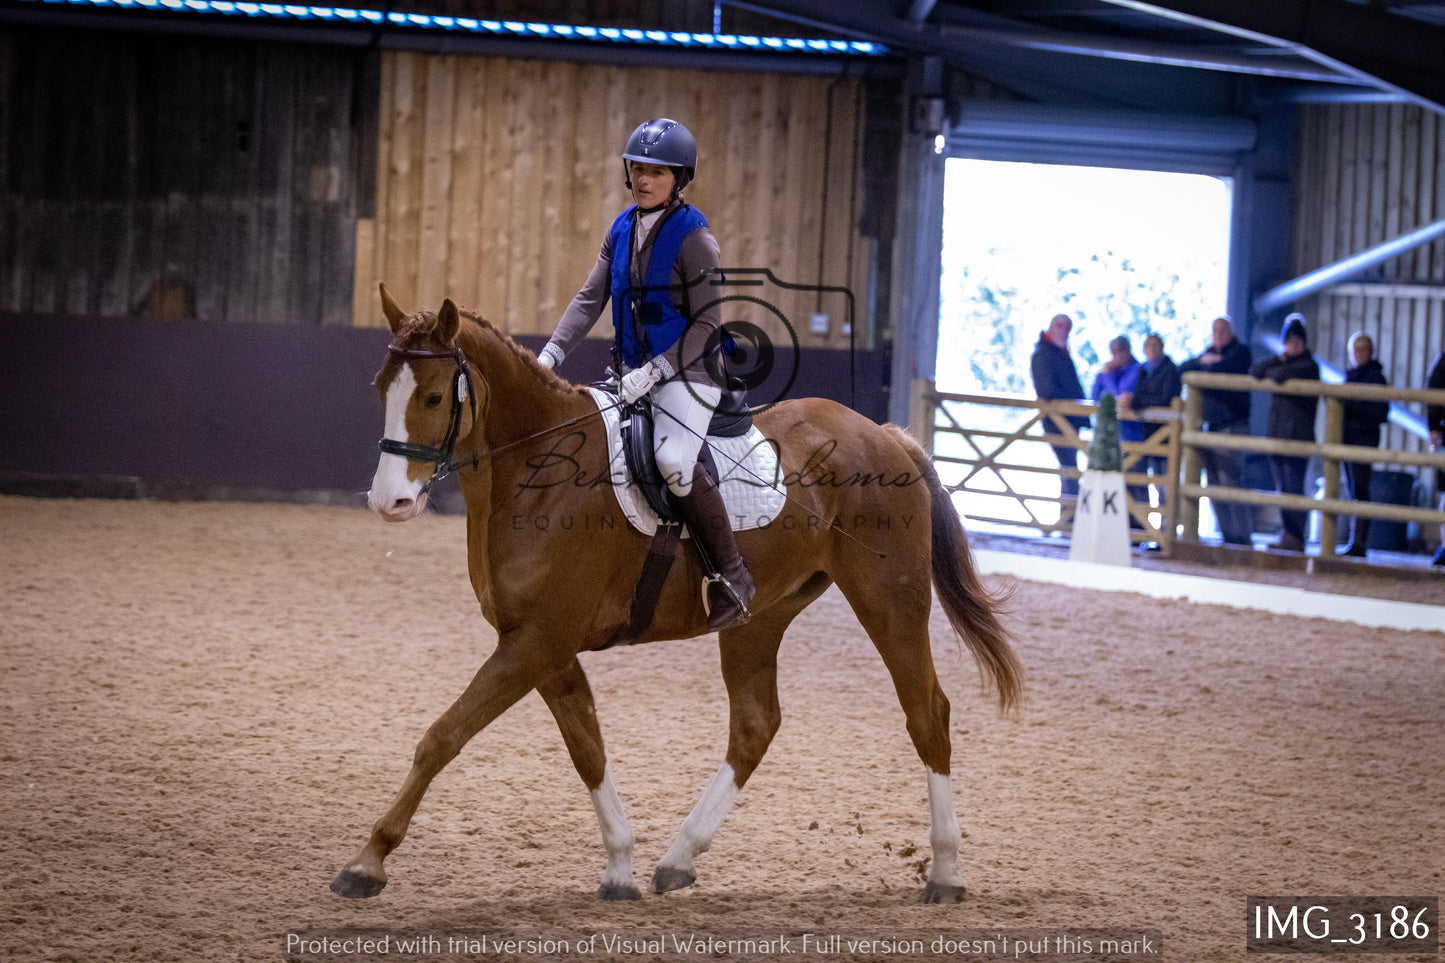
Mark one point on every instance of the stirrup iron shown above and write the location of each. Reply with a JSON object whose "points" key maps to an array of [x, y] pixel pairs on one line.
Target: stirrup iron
{"points": [[745, 614]]}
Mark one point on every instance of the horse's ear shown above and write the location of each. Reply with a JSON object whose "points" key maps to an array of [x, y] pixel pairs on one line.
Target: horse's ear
{"points": [[394, 314], [449, 321]]}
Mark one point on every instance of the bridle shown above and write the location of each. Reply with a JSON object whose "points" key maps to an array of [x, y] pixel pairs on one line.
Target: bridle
{"points": [[442, 458]]}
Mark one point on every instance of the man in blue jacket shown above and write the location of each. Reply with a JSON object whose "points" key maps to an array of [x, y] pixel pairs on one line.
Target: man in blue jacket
{"points": [[1226, 412], [1056, 378]]}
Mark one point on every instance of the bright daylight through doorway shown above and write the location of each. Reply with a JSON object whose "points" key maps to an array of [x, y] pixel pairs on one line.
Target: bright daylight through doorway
{"points": [[1120, 251]]}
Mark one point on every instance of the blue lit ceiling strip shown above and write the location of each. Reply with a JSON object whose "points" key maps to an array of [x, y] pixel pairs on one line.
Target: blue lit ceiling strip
{"points": [[496, 28]]}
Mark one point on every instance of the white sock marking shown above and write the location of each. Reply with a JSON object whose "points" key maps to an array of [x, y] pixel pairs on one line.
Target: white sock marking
{"points": [[697, 830], [943, 832], [616, 833]]}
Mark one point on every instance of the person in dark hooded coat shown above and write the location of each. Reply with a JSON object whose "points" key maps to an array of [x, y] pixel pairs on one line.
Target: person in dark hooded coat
{"points": [[1291, 417]]}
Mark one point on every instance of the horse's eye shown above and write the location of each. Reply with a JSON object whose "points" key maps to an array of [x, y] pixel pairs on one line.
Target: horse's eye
{"points": [[433, 400]]}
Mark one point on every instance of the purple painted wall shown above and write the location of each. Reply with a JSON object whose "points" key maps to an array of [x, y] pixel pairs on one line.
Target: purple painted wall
{"points": [[192, 408]]}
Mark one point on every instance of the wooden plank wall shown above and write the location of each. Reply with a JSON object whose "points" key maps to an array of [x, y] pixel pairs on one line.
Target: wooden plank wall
{"points": [[174, 178], [498, 178], [1366, 173]]}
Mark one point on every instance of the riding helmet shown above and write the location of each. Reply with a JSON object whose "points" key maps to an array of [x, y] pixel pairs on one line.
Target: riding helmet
{"points": [[666, 143]]}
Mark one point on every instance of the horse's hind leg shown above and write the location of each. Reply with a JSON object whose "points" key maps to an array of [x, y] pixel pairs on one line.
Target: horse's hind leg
{"points": [[893, 609], [569, 697], [750, 670]]}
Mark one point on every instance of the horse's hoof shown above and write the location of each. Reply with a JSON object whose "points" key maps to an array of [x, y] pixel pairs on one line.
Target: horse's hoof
{"points": [[618, 891], [943, 893], [356, 885], [665, 879]]}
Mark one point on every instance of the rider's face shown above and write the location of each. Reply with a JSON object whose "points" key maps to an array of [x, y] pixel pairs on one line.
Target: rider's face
{"points": [[651, 183]]}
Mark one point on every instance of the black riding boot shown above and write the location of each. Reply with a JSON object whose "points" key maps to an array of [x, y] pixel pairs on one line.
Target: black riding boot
{"points": [[728, 590], [1360, 541]]}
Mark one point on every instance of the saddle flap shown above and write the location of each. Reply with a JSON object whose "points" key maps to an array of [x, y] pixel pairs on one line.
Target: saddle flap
{"points": [[637, 451], [733, 417], [641, 464]]}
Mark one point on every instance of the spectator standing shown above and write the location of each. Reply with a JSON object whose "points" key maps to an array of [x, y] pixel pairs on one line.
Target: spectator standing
{"points": [[1226, 412], [1435, 422], [1119, 378], [1056, 378], [1291, 418], [1363, 421], [1157, 387]]}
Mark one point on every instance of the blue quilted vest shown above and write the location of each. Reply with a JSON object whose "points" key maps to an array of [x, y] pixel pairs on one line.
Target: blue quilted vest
{"points": [[660, 324]]}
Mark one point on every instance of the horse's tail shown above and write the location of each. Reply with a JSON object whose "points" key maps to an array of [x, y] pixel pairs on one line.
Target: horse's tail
{"points": [[971, 607]]}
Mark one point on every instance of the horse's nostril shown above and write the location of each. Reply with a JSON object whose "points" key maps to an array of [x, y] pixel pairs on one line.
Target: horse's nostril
{"points": [[400, 505]]}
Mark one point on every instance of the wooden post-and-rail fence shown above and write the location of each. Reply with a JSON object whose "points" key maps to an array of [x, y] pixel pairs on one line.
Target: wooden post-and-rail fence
{"points": [[1331, 450], [1004, 453], [1001, 450]]}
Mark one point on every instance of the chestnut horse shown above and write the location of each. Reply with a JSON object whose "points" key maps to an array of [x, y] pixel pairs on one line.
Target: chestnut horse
{"points": [[553, 595]]}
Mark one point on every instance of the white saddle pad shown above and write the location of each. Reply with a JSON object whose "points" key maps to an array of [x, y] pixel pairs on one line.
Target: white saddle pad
{"points": [[752, 483]]}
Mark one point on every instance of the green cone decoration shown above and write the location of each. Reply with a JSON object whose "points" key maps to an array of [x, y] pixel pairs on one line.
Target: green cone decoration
{"points": [[1104, 451]]}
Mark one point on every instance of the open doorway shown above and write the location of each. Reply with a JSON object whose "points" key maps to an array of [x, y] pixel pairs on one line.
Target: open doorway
{"points": [[1121, 251]]}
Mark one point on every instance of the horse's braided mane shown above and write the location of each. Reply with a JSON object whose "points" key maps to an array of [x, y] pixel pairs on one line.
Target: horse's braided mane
{"points": [[423, 323]]}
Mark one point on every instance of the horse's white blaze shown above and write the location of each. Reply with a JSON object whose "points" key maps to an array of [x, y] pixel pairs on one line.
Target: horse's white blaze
{"points": [[391, 482], [943, 831], [697, 830], [616, 832]]}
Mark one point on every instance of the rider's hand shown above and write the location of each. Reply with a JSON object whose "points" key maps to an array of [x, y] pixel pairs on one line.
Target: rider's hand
{"points": [[636, 383], [550, 356]]}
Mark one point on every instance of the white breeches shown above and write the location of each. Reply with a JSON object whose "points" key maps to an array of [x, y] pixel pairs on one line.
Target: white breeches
{"points": [[681, 412]]}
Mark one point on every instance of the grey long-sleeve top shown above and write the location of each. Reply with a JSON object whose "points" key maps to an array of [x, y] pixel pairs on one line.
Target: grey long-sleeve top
{"points": [[694, 299]]}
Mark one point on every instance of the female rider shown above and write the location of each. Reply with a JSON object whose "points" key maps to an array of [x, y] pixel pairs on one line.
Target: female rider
{"points": [[661, 342]]}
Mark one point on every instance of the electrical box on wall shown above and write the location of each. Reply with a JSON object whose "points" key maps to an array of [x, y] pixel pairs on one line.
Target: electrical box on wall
{"points": [[818, 324]]}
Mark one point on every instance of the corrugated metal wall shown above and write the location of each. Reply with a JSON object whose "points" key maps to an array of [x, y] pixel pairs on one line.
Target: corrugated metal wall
{"points": [[498, 178], [1366, 173]]}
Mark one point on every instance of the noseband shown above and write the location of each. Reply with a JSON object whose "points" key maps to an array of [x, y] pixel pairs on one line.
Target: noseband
{"points": [[441, 457]]}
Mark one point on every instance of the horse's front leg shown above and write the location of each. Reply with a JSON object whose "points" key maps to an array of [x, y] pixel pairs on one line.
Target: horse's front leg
{"points": [[750, 671], [569, 697], [510, 673]]}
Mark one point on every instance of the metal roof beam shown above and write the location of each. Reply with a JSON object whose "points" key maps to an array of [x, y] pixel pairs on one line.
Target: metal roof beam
{"points": [[918, 10], [878, 20], [1140, 51], [1321, 278], [875, 20], [1396, 54]]}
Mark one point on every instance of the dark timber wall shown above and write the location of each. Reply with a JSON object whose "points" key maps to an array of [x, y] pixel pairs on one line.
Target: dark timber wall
{"points": [[180, 178]]}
